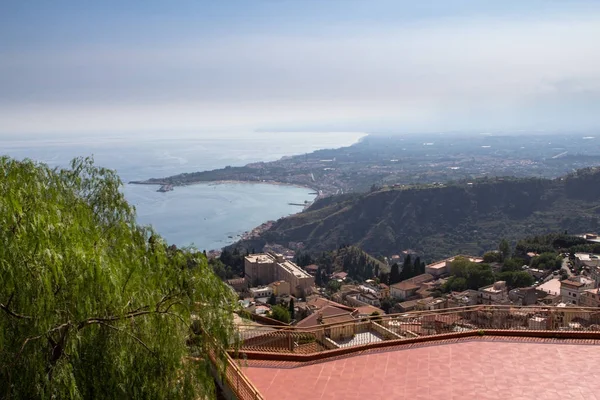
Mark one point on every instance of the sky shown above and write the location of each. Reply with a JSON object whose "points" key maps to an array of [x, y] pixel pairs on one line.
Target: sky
{"points": [[375, 65]]}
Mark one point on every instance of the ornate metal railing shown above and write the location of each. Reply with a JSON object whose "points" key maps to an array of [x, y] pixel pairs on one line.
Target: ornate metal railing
{"points": [[396, 328]]}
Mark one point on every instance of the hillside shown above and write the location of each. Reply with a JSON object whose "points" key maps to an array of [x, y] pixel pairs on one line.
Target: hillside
{"points": [[356, 262], [437, 221]]}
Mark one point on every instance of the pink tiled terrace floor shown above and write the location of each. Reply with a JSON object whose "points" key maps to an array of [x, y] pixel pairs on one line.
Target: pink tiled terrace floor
{"points": [[475, 369]]}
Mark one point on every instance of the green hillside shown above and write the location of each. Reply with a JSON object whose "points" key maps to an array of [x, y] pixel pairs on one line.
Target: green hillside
{"points": [[437, 221]]}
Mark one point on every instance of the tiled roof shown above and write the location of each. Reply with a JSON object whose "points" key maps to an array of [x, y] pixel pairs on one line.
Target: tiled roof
{"points": [[368, 310], [421, 278], [568, 282], [405, 285], [328, 315], [318, 302]]}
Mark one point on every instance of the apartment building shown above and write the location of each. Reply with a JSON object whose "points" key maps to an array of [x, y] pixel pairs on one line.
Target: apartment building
{"points": [[262, 269]]}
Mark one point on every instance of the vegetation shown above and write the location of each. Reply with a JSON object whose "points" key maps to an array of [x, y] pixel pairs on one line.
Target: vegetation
{"points": [[466, 274], [292, 309], [350, 259], [280, 313], [92, 305], [459, 218]]}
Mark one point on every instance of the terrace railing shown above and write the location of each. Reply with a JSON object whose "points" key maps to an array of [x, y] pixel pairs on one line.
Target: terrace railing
{"points": [[411, 326]]}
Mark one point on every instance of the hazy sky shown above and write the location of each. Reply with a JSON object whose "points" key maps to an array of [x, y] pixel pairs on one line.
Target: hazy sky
{"points": [[108, 66]]}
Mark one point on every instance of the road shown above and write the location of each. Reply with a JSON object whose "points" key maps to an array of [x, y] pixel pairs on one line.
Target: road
{"points": [[565, 266]]}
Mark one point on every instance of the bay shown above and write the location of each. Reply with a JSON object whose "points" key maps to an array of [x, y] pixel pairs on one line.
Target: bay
{"points": [[208, 216]]}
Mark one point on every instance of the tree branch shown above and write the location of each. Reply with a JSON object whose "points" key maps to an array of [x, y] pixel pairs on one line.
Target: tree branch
{"points": [[12, 313], [29, 339], [137, 339]]}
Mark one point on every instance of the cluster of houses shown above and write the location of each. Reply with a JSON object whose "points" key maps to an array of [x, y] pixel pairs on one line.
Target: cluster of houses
{"points": [[271, 275]]}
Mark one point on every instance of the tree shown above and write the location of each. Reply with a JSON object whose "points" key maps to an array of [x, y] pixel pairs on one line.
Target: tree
{"points": [[280, 314], [92, 305], [418, 267], [333, 285], [407, 269], [492, 257], [516, 279], [455, 284], [272, 299], [395, 274], [512, 264], [291, 309], [319, 277], [504, 248]]}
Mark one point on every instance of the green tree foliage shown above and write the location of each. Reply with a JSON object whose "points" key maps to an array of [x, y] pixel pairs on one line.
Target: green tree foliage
{"points": [[408, 270], [92, 305], [221, 270], [395, 274], [504, 249], [333, 285], [455, 284], [303, 259], [292, 309], [234, 259], [418, 267], [549, 260], [352, 260], [280, 313], [476, 275], [515, 279], [492, 257], [272, 299], [319, 277], [513, 264]]}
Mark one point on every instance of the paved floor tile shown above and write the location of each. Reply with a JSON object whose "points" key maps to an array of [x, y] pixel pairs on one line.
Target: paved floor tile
{"points": [[475, 369]]}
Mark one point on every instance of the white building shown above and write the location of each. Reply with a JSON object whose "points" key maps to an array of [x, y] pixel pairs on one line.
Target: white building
{"points": [[571, 289], [263, 291], [494, 294]]}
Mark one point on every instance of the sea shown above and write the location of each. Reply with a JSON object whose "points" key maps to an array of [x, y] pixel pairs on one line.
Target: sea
{"points": [[207, 216]]}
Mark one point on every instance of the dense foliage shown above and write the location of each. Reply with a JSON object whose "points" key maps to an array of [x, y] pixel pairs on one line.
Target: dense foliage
{"points": [[92, 305], [280, 313]]}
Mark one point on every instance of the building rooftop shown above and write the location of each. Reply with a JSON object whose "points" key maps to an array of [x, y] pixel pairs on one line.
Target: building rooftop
{"points": [[551, 287], [496, 287], [294, 269], [420, 279], [575, 284], [368, 310], [260, 258], [326, 315], [438, 265], [405, 285], [456, 369]]}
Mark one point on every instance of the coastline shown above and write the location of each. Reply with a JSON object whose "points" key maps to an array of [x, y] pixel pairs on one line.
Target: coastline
{"points": [[257, 230]]}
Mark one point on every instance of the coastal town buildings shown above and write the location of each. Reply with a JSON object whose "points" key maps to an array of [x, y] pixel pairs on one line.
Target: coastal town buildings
{"points": [[497, 293], [408, 288], [590, 298], [262, 269], [571, 289]]}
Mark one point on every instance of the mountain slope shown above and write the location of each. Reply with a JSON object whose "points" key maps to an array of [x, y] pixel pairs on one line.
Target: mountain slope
{"points": [[443, 220]]}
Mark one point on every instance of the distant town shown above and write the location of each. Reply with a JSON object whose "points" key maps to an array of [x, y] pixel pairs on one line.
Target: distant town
{"points": [[379, 160]]}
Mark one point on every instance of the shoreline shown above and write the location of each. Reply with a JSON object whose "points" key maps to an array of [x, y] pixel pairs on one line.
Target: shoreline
{"points": [[257, 230], [234, 182]]}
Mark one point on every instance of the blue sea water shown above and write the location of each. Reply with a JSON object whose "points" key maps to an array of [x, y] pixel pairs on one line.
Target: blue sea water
{"points": [[208, 216]]}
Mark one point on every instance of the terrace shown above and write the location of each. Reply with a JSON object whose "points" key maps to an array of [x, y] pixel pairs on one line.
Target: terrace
{"points": [[470, 352]]}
